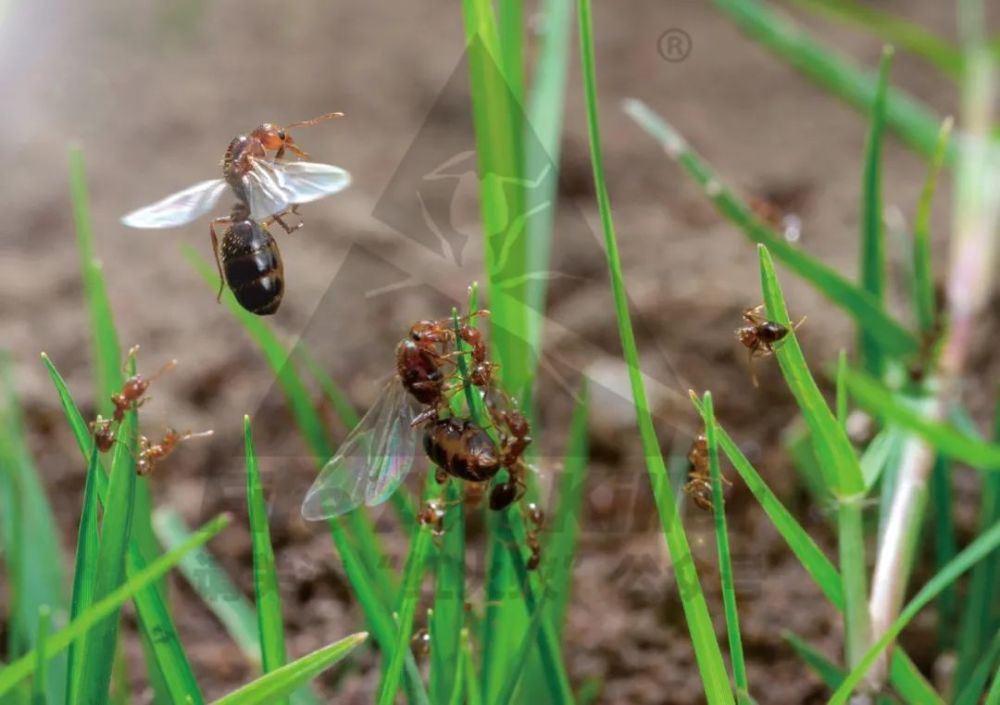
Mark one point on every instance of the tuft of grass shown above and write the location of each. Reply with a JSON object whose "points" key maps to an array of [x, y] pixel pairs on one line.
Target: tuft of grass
{"points": [[29, 537], [981, 547], [699, 621], [57, 642]]}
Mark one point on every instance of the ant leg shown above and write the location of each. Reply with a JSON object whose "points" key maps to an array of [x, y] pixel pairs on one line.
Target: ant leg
{"points": [[753, 372], [801, 321], [753, 315], [288, 229], [215, 251]]}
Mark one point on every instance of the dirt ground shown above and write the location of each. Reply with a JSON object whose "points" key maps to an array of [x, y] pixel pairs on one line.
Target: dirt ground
{"points": [[153, 92]]}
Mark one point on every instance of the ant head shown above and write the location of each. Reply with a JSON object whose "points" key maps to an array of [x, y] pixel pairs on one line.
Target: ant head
{"points": [[518, 424], [271, 136], [747, 336]]}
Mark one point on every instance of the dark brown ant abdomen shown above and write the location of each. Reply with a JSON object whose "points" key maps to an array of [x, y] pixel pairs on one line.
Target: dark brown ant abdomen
{"points": [[419, 372], [462, 449], [252, 266]]}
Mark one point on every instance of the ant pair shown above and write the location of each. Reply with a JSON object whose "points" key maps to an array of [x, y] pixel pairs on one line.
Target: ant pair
{"points": [[132, 396]]}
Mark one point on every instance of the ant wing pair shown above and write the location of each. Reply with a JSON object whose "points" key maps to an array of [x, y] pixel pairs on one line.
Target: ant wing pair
{"points": [[269, 187], [373, 460]]}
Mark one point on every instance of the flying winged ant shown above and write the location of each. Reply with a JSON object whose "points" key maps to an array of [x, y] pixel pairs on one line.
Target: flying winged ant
{"points": [[266, 188], [760, 335]]}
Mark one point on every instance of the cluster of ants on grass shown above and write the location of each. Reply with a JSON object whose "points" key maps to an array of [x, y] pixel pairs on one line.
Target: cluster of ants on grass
{"points": [[377, 455]]}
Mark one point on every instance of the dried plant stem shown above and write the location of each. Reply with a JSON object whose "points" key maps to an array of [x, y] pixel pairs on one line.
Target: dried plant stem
{"points": [[970, 279]]}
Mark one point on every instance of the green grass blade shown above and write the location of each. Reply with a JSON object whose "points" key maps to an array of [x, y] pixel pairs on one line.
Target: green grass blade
{"points": [[269, 617], [725, 561], [980, 617], [279, 684], [923, 272], [520, 658], [84, 573], [971, 692], [993, 696], [872, 257], [911, 121], [942, 529], [116, 529], [974, 552], [903, 674], [413, 574], [23, 668], [837, 459], [448, 616], [39, 694], [699, 621], [104, 338], [469, 667], [498, 119], [909, 36], [560, 548], [827, 670], [542, 143], [29, 535], [893, 338], [879, 401], [458, 687]]}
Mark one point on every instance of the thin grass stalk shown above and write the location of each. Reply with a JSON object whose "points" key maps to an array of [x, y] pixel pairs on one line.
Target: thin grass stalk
{"points": [[970, 281]]}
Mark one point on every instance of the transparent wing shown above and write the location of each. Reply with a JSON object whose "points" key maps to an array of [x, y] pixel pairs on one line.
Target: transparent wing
{"points": [[178, 209], [373, 460], [271, 187]]}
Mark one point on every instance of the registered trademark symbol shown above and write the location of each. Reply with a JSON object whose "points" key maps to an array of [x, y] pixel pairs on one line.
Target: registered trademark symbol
{"points": [[674, 45]]}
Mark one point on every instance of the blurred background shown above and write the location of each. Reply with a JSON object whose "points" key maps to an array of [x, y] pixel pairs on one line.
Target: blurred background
{"points": [[154, 91]]}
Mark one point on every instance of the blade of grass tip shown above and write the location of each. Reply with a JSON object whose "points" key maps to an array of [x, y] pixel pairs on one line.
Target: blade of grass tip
{"points": [[904, 675], [560, 548], [161, 645], [498, 119], [413, 574], [280, 683], [269, 617], [85, 567], [838, 462], [725, 562], [23, 668], [29, 536], [973, 689], [38, 689], [699, 621], [371, 554], [542, 143], [973, 553], [980, 618], [859, 304], [945, 438], [923, 273], [909, 36], [872, 256], [837, 458], [116, 528], [909, 119]]}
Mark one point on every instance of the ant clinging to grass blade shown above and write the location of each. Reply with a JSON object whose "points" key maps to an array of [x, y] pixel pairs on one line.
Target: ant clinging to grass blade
{"points": [[760, 335]]}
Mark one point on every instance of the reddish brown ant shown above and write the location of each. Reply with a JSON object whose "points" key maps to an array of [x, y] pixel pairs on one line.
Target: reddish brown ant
{"points": [[420, 643], [104, 435], [238, 159], [760, 335], [132, 391], [150, 454], [699, 484], [432, 515]]}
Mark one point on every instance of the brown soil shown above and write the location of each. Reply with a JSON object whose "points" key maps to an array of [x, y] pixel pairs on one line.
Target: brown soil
{"points": [[153, 95]]}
